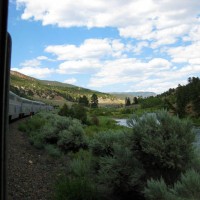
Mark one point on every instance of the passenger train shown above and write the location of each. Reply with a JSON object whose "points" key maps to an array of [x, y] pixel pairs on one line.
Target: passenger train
{"points": [[20, 107]]}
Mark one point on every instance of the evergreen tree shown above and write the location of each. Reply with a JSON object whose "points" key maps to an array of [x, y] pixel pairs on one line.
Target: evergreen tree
{"points": [[78, 111], [94, 101], [127, 101], [83, 101], [189, 93], [135, 100], [64, 111]]}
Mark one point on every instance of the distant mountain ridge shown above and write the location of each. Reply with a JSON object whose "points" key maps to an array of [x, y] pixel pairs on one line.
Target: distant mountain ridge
{"points": [[122, 95]]}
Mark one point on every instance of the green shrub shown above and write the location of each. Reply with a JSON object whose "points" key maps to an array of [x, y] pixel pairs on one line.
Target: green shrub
{"points": [[64, 111], [163, 143], [52, 150], [22, 127], [150, 102], [48, 128], [81, 165], [49, 134], [79, 112], [157, 190], [73, 138], [127, 111], [36, 140], [32, 124], [95, 120], [76, 189], [101, 111], [102, 143], [121, 173], [187, 188]]}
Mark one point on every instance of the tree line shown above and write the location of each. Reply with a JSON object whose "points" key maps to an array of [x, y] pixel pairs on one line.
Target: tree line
{"points": [[78, 111], [128, 101], [188, 97]]}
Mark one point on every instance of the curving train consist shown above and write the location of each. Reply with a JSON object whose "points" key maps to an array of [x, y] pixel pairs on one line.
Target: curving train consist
{"points": [[20, 107]]}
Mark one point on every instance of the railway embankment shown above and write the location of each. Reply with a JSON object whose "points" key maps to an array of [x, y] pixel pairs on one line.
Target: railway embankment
{"points": [[31, 172]]}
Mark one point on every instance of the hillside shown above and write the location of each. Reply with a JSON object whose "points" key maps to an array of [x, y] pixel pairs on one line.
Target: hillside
{"points": [[53, 92], [183, 100], [123, 95]]}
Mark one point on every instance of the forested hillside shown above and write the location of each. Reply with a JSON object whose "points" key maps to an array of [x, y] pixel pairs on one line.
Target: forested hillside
{"points": [[54, 92], [123, 95], [188, 98], [183, 100]]}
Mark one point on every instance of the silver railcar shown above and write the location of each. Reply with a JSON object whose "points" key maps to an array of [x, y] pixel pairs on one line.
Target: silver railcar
{"points": [[19, 107]]}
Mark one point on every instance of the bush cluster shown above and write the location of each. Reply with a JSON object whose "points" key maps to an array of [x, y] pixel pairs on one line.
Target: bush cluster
{"points": [[188, 187], [155, 159], [77, 111], [54, 132], [163, 143]]}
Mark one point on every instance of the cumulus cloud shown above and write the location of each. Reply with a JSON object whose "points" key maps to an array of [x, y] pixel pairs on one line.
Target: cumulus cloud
{"points": [[70, 81], [161, 22], [36, 72], [109, 69], [31, 63], [188, 54], [78, 66], [34, 67], [91, 48], [157, 75], [128, 70], [139, 46], [87, 57]]}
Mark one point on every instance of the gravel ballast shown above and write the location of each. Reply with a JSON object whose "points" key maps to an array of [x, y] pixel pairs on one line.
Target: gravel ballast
{"points": [[31, 173]]}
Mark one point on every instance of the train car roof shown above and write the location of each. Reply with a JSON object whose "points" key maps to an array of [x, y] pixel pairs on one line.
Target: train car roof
{"points": [[14, 94], [24, 99]]}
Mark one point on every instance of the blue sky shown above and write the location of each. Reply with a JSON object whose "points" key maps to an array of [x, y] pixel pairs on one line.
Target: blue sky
{"points": [[109, 46]]}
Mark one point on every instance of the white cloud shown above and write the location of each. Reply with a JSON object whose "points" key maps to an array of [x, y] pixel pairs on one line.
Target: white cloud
{"points": [[91, 48], [188, 54], [194, 34], [139, 46], [34, 67], [78, 66], [87, 57], [35, 62], [161, 22], [31, 63], [42, 58], [128, 70], [36, 72], [157, 75], [70, 81], [139, 31]]}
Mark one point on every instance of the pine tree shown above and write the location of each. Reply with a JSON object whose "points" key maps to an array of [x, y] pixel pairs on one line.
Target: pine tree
{"points": [[83, 101], [127, 101], [94, 101]]}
